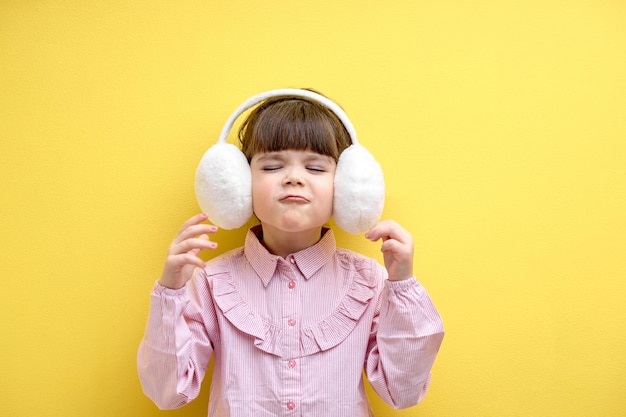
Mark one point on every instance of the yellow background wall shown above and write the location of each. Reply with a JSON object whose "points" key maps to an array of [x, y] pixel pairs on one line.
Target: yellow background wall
{"points": [[500, 127]]}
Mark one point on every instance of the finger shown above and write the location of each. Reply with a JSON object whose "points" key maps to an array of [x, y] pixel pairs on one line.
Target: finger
{"points": [[182, 259], [206, 244], [197, 219], [398, 249], [381, 230], [195, 230], [388, 229], [194, 245], [194, 227]]}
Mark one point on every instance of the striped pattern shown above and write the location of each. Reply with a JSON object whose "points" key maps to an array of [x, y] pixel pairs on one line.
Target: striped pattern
{"points": [[291, 336]]}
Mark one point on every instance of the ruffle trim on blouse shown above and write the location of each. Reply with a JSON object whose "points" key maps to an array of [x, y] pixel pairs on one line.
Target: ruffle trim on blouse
{"points": [[321, 336]]}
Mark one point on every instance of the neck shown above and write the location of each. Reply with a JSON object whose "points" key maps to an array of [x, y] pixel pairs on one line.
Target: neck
{"points": [[283, 244]]}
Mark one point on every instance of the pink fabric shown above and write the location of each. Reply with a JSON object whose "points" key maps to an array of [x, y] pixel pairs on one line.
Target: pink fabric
{"points": [[291, 336]]}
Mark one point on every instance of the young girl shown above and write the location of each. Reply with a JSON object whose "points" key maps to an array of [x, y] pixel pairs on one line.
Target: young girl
{"points": [[291, 319]]}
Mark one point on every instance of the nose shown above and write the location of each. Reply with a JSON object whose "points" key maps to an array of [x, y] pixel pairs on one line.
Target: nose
{"points": [[293, 176]]}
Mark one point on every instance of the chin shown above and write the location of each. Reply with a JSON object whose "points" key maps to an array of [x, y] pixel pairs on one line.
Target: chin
{"points": [[287, 226]]}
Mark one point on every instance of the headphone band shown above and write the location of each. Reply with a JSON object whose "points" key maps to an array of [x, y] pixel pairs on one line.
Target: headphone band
{"points": [[291, 92]]}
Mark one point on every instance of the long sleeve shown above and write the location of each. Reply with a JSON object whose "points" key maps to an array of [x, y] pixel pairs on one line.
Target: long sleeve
{"points": [[290, 335], [405, 339], [176, 348]]}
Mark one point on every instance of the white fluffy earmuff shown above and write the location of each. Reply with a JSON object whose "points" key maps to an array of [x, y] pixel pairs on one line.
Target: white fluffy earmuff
{"points": [[224, 186]]}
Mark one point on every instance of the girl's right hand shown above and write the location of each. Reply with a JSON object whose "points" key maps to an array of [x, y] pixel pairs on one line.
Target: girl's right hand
{"points": [[182, 257]]}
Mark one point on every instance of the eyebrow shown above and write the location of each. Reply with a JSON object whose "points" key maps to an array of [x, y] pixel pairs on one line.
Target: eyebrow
{"points": [[267, 156], [311, 156]]}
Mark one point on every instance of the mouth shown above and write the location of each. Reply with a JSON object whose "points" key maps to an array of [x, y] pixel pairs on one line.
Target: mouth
{"points": [[294, 199]]}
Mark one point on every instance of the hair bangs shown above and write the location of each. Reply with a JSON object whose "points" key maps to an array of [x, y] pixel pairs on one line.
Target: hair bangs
{"points": [[294, 124]]}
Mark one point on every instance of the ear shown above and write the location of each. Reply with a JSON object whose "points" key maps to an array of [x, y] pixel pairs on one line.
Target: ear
{"points": [[359, 190], [224, 186]]}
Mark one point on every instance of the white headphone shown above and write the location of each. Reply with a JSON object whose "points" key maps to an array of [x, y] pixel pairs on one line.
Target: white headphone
{"points": [[224, 186]]}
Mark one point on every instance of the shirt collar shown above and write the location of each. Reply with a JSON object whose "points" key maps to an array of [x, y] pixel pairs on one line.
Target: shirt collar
{"points": [[308, 260]]}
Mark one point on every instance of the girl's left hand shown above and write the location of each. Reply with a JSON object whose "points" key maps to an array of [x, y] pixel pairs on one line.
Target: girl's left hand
{"points": [[397, 248]]}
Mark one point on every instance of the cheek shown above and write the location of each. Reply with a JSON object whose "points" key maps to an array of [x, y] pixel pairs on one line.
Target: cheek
{"points": [[330, 184], [260, 192], [328, 190]]}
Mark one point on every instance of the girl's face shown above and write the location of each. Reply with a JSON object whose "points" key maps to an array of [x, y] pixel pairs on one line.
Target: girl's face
{"points": [[292, 190]]}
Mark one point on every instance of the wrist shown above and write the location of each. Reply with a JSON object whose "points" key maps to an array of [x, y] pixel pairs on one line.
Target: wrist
{"points": [[170, 285], [395, 279], [401, 285], [400, 274]]}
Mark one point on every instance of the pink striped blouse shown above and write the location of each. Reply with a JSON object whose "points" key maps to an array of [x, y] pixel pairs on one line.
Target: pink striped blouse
{"points": [[291, 336]]}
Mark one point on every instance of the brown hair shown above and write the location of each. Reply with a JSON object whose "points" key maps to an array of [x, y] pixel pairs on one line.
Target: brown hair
{"points": [[293, 123]]}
